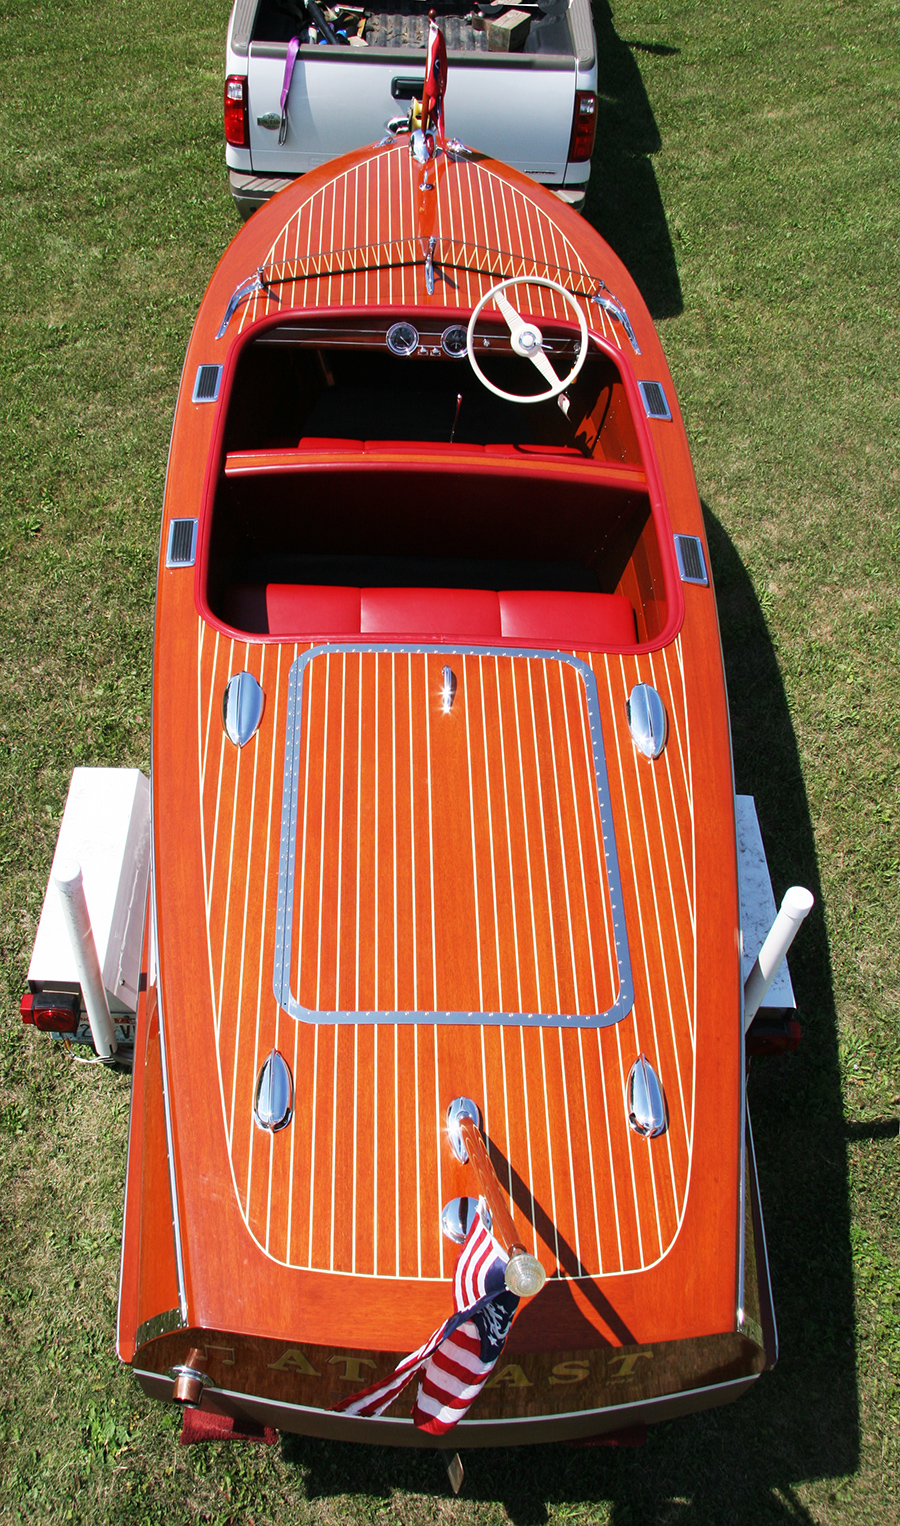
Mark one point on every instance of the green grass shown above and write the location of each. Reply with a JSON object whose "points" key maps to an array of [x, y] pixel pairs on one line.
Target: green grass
{"points": [[746, 171]]}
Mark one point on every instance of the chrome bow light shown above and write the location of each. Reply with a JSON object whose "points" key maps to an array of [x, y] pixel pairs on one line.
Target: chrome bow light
{"points": [[273, 1105], [242, 706], [645, 1101], [646, 720]]}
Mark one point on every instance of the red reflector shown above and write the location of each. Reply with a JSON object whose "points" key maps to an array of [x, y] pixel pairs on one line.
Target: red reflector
{"points": [[237, 121], [584, 127], [50, 1014]]}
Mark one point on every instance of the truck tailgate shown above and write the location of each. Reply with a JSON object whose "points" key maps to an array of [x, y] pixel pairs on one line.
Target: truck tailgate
{"points": [[517, 110]]}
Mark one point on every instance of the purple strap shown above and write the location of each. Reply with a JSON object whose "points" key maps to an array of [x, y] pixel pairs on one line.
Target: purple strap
{"points": [[293, 45]]}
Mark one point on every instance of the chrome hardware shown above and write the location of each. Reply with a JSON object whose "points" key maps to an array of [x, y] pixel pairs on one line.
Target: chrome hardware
{"points": [[160, 1324], [457, 1218], [448, 689], [645, 1101], [206, 384], [460, 1107], [691, 563], [272, 120], [402, 339], [656, 405], [181, 550], [457, 150], [247, 288], [192, 1374], [647, 720], [242, 707], [429, 267], [459, 398], [615, 309], [421, 146], [273, 1105], [391, 129], [190, 1378]]}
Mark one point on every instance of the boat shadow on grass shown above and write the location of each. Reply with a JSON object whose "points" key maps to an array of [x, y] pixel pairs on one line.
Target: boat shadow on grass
{"points": [[623, 201], [746, 1462]]}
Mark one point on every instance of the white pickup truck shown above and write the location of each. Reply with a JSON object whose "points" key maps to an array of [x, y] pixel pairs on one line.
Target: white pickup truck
{"points": [[354, 68]]}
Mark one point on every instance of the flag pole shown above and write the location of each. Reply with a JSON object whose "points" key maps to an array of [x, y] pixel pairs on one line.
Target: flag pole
{"points": [[524, 1273]]}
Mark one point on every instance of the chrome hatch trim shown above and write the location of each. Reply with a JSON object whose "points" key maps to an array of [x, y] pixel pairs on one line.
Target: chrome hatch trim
{"points": [[281, 975]]}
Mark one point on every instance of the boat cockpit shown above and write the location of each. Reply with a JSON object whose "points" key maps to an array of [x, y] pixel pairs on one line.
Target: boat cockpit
{"points": [[493, 520]]}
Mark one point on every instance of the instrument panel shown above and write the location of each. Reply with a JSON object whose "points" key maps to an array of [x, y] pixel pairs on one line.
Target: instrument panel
{"points": [[426, 339]]}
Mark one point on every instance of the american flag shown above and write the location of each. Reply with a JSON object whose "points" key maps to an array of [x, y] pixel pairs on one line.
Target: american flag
{"points": [[435, 82], [458, 1359]]}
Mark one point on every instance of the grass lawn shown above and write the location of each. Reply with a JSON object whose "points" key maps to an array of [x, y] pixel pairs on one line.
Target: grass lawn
{"points": [[746, 169]]}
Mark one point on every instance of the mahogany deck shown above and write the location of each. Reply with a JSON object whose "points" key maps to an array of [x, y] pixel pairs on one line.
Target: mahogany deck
{"points": [[491, 897]]}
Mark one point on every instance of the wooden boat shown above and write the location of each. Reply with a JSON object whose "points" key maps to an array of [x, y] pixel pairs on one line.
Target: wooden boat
{"points": [[442, 814]]}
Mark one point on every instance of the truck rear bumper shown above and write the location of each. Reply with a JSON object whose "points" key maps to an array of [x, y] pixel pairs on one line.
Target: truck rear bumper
{"points": [[252, 191]]}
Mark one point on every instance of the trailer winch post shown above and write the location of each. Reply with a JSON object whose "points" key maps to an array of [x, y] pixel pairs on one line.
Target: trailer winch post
{"points": [[70, 885], [795, 906]]}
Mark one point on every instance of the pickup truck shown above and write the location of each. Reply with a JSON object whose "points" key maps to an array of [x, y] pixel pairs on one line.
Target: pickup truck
{"points": [[352, 69]]}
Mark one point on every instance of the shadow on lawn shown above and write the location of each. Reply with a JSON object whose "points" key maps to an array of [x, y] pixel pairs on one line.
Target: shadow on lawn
{"points": [[742, 1464], [623, 200]]}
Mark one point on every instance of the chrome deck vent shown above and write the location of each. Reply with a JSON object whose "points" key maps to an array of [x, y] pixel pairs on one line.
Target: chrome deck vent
{"points": [[654, 399], [206, 384], [645, 1101], [242, 706], [691, 561], [273, 1105], [181, 550], [457, 1218], [647, 720]]}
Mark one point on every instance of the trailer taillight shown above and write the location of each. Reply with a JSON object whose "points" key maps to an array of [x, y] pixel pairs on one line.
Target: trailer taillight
{"points": [[584, 126], [51, 1014], [237, 120]]}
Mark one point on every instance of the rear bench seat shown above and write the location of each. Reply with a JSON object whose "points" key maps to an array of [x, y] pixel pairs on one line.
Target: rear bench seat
{"points": [[312, 612]]}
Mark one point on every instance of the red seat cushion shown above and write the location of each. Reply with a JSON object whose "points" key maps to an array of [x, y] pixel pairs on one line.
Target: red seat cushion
{"points": [[498, 449], [420, 447], [327, 443], [571, 620], [435, 613], [310, 609]]}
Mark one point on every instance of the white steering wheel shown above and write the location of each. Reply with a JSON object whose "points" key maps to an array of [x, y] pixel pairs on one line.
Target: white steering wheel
{"points": [[527, 339]]}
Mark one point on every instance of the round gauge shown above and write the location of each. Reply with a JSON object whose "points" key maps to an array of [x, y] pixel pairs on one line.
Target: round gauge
{"points": [[402, 339], [453, 341]]}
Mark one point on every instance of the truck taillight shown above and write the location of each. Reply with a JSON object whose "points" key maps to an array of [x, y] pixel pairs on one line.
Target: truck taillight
{"points": [[237, 120], [51, 1014], [584, 126]]}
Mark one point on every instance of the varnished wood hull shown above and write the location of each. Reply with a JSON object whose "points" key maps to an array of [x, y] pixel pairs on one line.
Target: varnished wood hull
{"points": [[510, 908]]}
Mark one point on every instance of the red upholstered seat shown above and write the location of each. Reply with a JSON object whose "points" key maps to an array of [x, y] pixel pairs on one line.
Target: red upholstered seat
{"points": [[569, 620], [327, 442], [434, 613], [522, 617], [311, 609], [419, 447], [497, 449]]}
